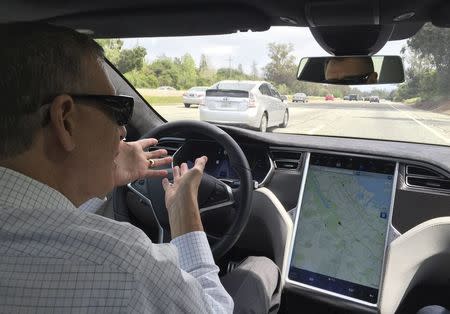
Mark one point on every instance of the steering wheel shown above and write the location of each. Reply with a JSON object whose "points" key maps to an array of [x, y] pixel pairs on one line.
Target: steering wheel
{"points": [[215, 198]]}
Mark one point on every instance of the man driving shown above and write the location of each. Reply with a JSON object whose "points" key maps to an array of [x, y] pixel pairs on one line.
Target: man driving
{"points": [[350, 70], [62, 129]]}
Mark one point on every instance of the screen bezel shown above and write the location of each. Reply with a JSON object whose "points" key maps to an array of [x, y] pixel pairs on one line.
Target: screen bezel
{"points": [[303, 286]]}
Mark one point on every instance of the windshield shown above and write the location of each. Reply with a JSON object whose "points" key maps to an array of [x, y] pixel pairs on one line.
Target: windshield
{"points": [[243, 86], [164, 69]]}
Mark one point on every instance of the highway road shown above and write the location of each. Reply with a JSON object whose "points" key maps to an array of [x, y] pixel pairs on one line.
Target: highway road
{"points": [[389, 121]]}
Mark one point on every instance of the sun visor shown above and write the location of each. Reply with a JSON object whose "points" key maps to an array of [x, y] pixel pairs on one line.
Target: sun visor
{"points": [[162, 22]]}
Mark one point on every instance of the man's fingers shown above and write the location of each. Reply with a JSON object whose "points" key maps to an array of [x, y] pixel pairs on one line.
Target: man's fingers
{"points": [[165, 183], [156, 154], [146, 142], [161, 162], [200, 163], [184, 168], [155, 173], [176, 173]]}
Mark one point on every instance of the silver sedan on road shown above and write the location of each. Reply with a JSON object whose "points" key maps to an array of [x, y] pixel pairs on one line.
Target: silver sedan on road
{"points": [[299, 97], [253, 104], [194, 96]]}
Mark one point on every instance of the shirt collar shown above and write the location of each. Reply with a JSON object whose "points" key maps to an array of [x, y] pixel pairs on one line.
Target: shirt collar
{"points": [[20, 191]]}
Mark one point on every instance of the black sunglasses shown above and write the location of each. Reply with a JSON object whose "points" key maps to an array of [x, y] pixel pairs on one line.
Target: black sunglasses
{"points": [[120, 108], [351, 80]]}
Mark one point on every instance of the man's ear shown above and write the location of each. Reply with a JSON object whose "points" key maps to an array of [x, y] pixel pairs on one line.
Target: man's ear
{"points": [[63, 121]]}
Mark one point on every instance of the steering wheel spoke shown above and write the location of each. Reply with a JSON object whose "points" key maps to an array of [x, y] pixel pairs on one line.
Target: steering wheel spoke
{"points": [[221, 196]]}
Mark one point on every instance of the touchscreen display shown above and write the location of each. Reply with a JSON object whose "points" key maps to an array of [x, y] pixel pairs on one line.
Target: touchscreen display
{"points": [[342, 224]]}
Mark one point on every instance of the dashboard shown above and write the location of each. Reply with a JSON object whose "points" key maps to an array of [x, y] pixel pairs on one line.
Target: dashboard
{"points": [[347, 205], [219, 165]]}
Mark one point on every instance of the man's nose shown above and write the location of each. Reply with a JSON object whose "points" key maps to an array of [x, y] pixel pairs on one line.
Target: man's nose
{"points": [[122, 132]]}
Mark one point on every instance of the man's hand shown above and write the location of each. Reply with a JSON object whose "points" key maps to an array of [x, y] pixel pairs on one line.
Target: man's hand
{"points": [[133, 162], [181, 198]]}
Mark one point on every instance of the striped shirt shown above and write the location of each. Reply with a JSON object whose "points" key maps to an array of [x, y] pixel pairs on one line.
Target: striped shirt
{"points": [[57, 259]]}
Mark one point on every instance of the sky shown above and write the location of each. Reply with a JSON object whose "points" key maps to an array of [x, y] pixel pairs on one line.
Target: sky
{"points": [[241, 48]]}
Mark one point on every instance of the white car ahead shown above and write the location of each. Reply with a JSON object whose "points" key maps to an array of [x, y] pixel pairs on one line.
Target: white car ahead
{"points": [[299, 97], [194, 96], [252, 104]]}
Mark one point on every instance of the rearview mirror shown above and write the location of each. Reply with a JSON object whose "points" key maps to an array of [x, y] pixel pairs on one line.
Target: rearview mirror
{"points": [[352, 70]]}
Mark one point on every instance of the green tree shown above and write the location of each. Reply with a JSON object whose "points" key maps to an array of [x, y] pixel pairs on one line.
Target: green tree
{"points": [[282, 66], [240, 68], [431, 43], [166, 71], [112, 48], [283, 89], [204, 64], [254, 73], [206, 73], [144, 78], [230, 74], [187, 72], [131, 59], [428, 56]]}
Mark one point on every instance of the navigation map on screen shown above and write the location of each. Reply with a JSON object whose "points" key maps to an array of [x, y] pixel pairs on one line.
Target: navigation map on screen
{"points": [[341, 231]]}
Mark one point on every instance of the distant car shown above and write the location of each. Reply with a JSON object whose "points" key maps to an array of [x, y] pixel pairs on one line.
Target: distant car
{"points": [[329, 97], [346, 97], [253, 104], [353, 97], [374, 99], [366, 98], [194, 96], [166, 88], [299, 97]]}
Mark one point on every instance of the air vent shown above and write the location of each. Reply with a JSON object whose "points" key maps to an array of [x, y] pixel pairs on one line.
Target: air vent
{"points": [[429, 183], [424, 178], [169, 144], [421, 171], [286, 159]]}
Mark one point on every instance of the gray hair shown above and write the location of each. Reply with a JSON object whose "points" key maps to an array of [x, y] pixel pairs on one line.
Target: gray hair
{"points": [[37, 62]]}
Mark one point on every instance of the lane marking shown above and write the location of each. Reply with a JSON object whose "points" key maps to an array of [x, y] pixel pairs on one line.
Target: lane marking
{"points": [[445, 139]]}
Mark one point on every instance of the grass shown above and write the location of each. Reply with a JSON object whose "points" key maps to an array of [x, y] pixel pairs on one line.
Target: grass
{"points": [[163, 93], [164, 100], [411, 101], [315, 98]]}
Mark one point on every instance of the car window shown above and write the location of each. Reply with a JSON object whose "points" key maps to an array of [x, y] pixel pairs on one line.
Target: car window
{"points": [[235, 86], [274, 92], [417, 110], [264, 89]]}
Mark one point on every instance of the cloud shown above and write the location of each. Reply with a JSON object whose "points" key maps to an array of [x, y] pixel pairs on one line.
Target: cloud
{"points": [[217, 50]]}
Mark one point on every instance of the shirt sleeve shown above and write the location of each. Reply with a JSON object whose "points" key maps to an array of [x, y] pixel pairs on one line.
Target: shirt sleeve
{"points": [[195, 258]]}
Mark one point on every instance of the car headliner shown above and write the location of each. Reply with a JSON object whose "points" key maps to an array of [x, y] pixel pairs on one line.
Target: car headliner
{"points": [[151, 18]]}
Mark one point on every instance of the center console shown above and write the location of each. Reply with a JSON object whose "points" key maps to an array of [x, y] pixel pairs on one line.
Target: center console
{"points": [[341, 227]]}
